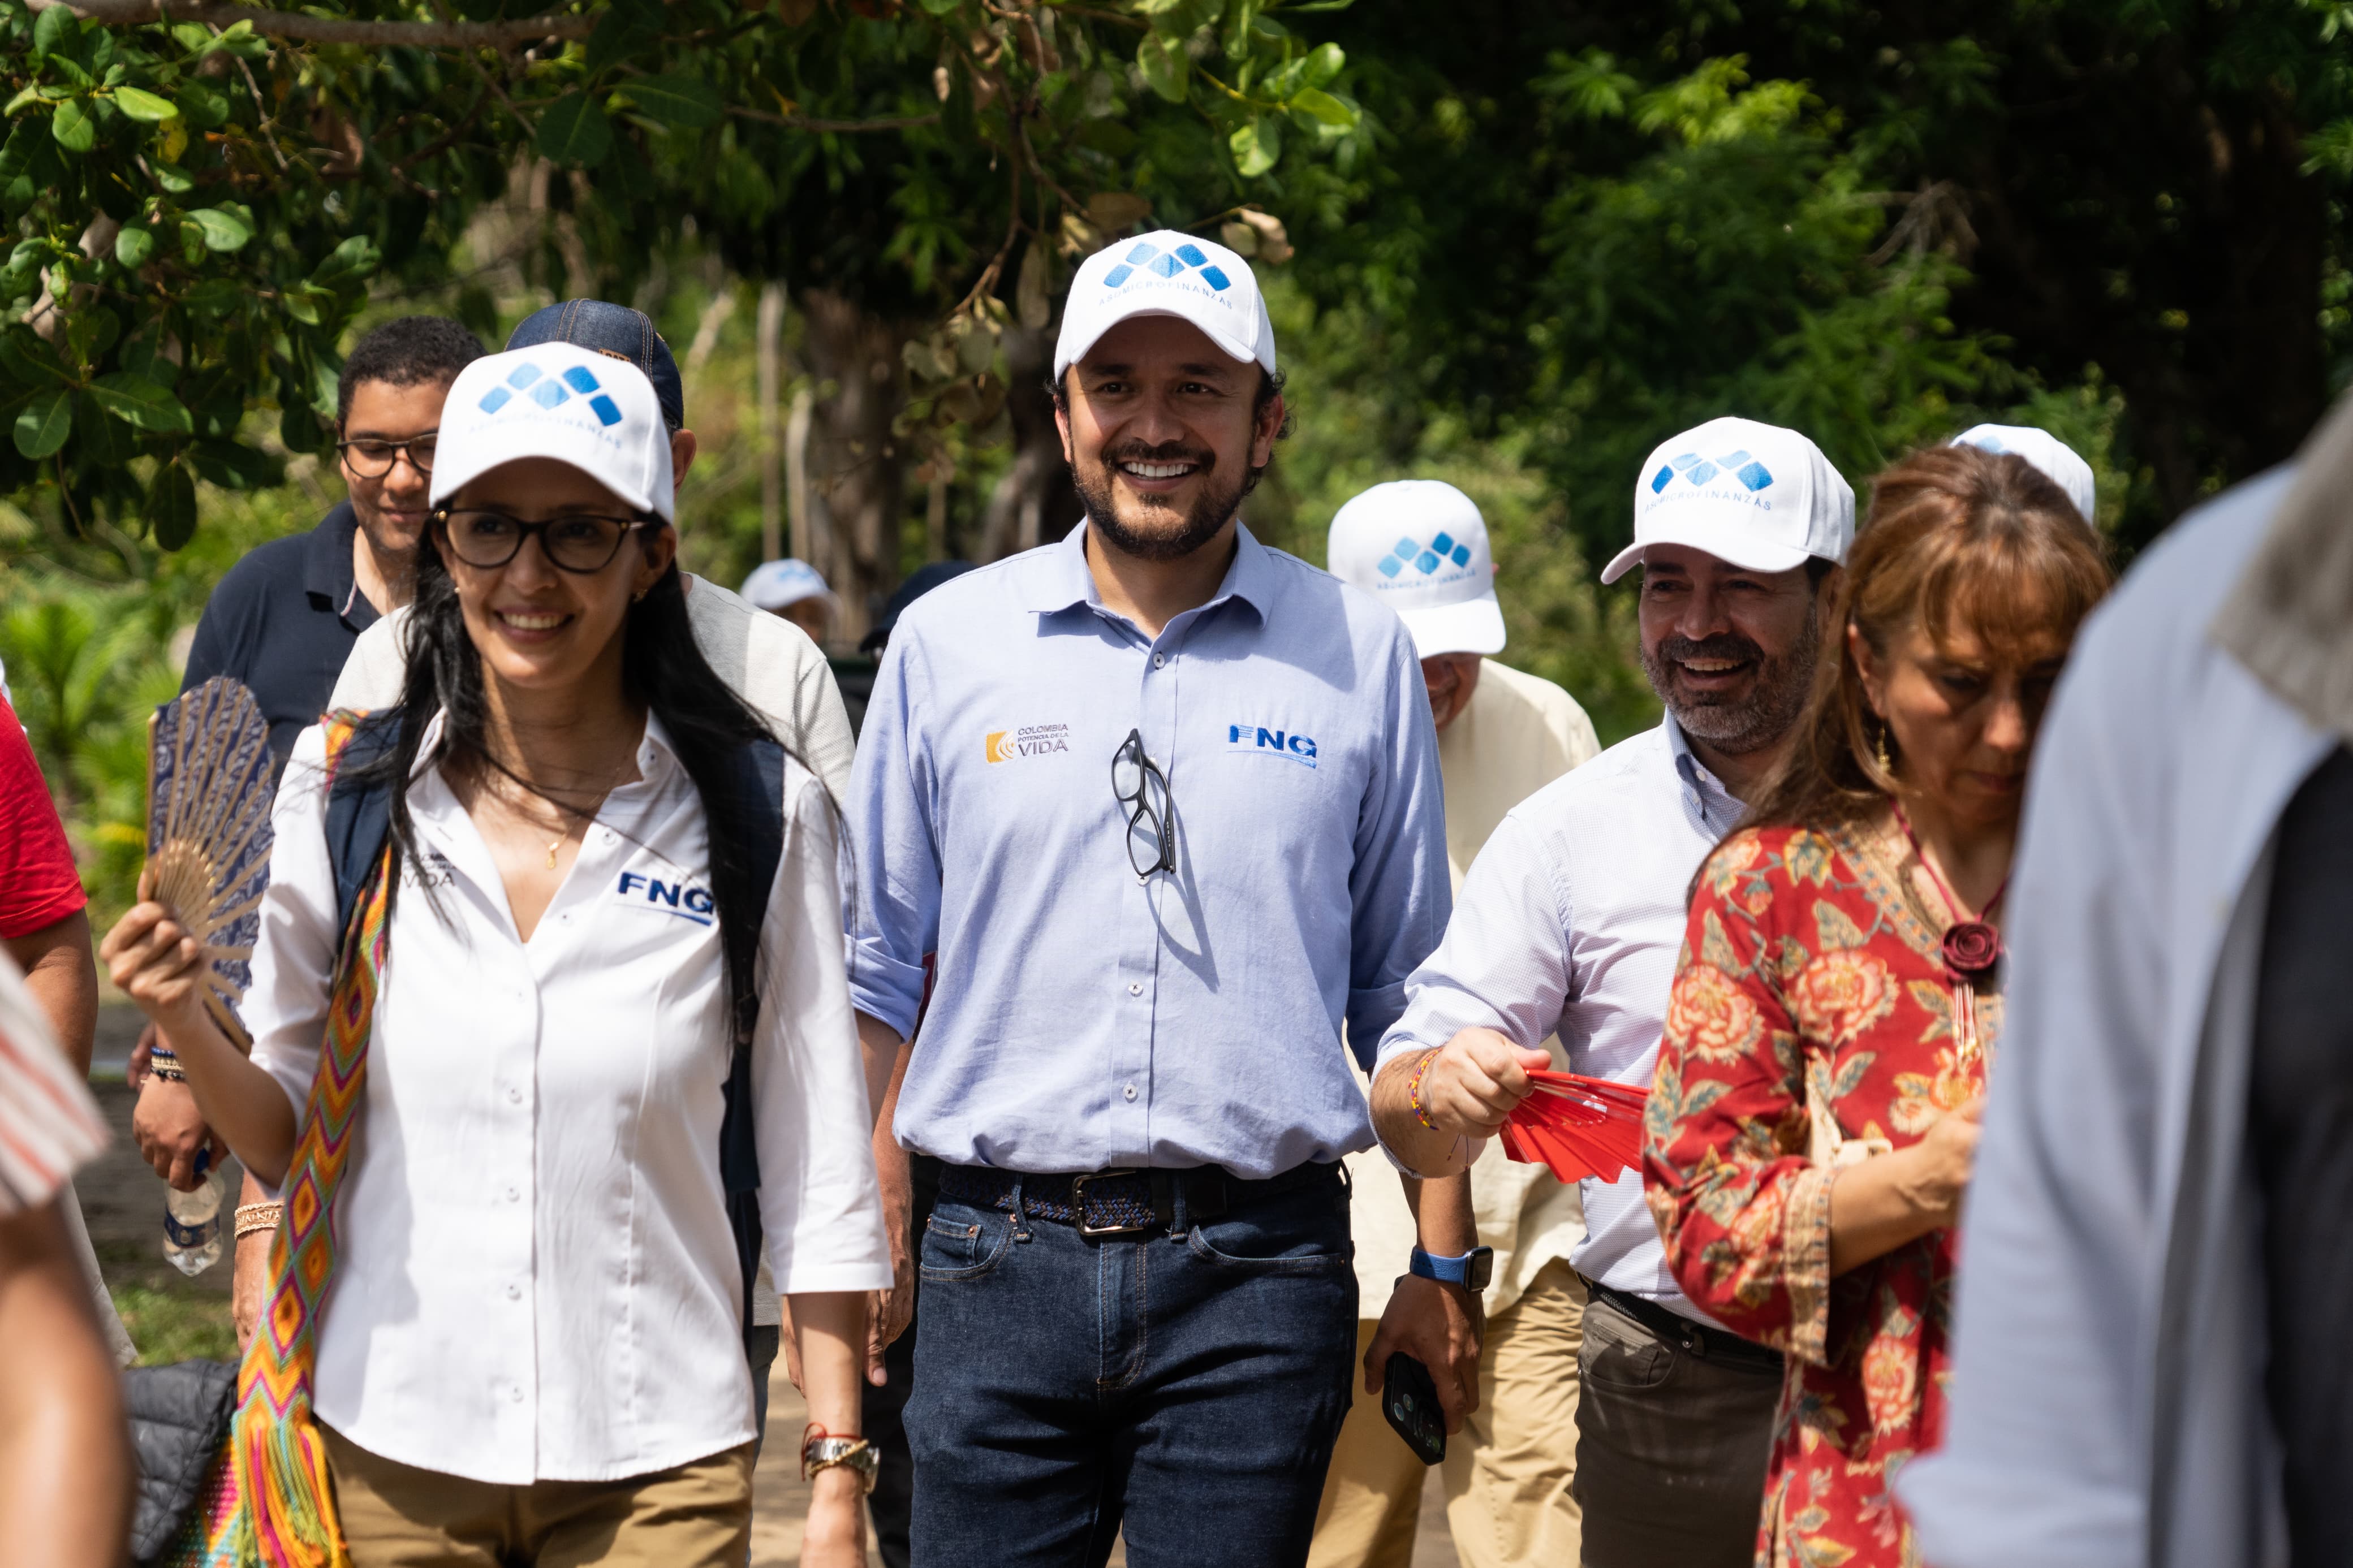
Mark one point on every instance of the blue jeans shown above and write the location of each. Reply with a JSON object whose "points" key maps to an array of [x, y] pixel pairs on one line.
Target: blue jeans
{"points": [[1188, 1383]]}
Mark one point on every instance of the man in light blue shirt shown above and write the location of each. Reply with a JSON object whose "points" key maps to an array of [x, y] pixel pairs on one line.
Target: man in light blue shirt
{"points": [[1166, 805]]}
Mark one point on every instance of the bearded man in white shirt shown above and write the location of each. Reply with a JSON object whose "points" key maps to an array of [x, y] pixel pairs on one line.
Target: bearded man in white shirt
{"points": [[1569, 924], [1420, 547]]}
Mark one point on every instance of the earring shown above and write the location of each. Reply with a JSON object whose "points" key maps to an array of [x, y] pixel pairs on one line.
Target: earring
{"points": [[639, 597], [1880, 743]]}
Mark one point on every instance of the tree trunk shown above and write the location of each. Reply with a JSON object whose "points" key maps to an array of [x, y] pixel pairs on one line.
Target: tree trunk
{"points": [[856, 468], [1034, 502]]}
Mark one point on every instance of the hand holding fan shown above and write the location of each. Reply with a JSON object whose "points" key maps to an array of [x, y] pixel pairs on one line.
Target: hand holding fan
{"points": [[210, 791], [1578, 1126]]}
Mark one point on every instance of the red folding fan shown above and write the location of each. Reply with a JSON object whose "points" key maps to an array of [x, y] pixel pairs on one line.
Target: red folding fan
{"points": [[1577, 1127]]}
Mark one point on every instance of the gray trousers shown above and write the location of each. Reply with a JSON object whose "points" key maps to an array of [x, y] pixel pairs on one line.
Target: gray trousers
{"points": [[1672, 1436]]}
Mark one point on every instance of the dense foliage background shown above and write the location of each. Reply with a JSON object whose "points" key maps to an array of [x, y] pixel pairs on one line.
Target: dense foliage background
{"points": [[1509, 243]]}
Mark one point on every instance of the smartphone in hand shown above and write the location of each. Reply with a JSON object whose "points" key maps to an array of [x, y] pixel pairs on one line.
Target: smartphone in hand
{"points": [[1410, 1400]]}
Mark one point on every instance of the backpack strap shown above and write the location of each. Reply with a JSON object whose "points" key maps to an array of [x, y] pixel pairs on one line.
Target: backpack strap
{"points": [[756, 777], [359, 813]]}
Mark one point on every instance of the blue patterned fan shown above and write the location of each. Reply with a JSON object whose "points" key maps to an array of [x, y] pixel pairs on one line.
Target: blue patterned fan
{"points": [[210, 791]]}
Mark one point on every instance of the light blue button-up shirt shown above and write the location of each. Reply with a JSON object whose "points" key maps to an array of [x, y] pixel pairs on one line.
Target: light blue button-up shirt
{"points": [[1083, 1018]]}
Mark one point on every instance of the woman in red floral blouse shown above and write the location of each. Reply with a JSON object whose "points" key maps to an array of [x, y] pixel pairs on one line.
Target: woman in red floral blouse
{"points": [[1810, 1128]]}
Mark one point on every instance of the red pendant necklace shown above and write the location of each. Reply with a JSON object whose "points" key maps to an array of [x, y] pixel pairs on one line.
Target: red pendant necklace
{"points": [[1972, 946]]}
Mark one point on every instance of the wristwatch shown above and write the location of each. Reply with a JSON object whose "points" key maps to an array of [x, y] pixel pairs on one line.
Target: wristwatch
{"points": [[1471, 1270], [855, 1454]]}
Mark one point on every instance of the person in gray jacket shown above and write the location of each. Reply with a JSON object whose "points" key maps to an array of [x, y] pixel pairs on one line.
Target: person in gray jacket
{"points": [[2150, 1368]]}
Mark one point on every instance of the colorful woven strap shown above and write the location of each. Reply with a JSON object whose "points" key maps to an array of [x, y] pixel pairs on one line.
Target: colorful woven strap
{"points": [[286, 1517]]}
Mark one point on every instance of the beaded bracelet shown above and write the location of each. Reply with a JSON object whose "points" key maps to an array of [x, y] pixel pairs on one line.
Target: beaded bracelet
{"points": [[1413, 1089], [165, 1063], [255, 1217]]}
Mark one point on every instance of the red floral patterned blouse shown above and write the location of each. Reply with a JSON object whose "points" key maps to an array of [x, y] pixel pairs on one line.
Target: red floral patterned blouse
{"points": [[1811, 981]]}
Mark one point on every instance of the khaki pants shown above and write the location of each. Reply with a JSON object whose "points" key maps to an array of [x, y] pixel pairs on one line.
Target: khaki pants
{"points": [[395, 1516], [1507, 1473]]}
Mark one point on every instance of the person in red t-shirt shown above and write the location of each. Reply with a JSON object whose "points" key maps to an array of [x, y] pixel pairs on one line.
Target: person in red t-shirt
{"points": [[42, 907]]}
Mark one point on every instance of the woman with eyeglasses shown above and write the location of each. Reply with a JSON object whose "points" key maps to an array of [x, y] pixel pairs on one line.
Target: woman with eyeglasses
{"points": [[504, 1073]]}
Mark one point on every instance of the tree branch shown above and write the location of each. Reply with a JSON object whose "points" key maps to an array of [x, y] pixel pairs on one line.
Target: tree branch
{"points": [[442, 34], [795, 122]]}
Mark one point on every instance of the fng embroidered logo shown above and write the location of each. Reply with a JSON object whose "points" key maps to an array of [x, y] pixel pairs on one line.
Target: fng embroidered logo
{"points": [[547, 391], [681, 899], [1166, 264], [1258, 737], [1029, 741], [1691, 465]]}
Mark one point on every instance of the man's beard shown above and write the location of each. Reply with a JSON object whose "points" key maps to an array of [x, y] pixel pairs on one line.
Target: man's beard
{"points": [[1167, 535], [1738, 725]]}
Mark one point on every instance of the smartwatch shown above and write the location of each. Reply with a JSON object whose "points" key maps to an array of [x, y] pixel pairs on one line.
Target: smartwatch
{"points": [[1471, 1270]]}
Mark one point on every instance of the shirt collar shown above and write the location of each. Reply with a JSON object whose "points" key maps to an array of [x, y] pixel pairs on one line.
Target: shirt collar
{"points": [[327, 567], [1689, 768], [656, 753], [1060, 579]]}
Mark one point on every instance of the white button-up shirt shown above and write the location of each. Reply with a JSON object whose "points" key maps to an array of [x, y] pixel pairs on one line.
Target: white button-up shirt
{"points": [[1571, 923], [535, 1279]]}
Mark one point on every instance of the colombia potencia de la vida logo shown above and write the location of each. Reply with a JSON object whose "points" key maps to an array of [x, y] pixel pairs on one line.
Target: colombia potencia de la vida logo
{"points": [[1026, 741]]}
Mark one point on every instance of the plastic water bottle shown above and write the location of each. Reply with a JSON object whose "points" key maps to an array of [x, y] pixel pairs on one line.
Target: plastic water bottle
{"points": [[192, 1221]]}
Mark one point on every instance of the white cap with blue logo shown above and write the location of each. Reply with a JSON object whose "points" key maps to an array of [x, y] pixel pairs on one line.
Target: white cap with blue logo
{"points": [[1755, 495], [1165, 273], [778, 584], [556, 400], [2058, 461], [1420, 546]]}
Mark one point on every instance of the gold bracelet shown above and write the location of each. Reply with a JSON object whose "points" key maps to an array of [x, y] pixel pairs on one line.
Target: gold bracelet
{"points": [[255, 1217]]}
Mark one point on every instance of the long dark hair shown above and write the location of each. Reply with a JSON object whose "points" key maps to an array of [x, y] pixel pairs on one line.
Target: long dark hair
{"points": [[662, 666], [1956, 537]]}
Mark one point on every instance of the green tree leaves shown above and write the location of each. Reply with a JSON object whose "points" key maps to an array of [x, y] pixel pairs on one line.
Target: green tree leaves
{"points": [[574, 131], [47, 420]]}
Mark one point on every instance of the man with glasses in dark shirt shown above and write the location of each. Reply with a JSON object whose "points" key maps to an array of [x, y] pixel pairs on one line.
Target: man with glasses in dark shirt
{"points": [[284, 619]]}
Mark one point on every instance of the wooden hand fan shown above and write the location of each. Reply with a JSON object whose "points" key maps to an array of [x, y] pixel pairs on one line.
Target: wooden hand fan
{"points": [[210, 791], [1577, 1127]]}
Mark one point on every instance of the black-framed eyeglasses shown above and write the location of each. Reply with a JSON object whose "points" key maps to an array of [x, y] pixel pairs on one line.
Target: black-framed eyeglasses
{"points": [[372, 457], [1139, 785], [575, 542]]}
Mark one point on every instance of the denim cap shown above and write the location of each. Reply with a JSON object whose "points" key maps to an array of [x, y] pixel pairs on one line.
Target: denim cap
{"points": [[560, 401], [2057, 460], [1420, 546], [616, 330], [1756, 496], [775, 584]]}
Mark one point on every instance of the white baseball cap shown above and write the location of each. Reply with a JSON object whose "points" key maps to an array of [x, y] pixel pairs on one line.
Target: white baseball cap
{"points": [[557, 400], [775, 584], [1165, 273], [1756, 495], [1420, 546], [2058, 460]]}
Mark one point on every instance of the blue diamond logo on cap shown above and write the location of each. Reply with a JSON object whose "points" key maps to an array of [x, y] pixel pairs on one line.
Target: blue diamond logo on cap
{"points": [[1151, 258], [523, 375], [498, 397], [580, 379], [548, 393]]}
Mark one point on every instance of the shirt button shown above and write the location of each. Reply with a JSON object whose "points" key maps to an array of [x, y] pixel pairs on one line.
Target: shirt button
{"points": [[514, 1195], [1158, 660], [514, 1292], [1135, 989], [514, 1096], [515, 1393], [1129, 1091]]}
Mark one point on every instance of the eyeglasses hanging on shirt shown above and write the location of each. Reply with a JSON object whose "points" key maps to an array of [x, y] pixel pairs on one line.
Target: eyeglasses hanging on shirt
{"points": [[1141, 787]]}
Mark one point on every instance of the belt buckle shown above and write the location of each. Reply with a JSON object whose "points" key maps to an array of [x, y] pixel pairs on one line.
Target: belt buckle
{"points": [[1079, 1204]]}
